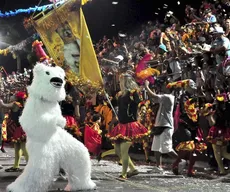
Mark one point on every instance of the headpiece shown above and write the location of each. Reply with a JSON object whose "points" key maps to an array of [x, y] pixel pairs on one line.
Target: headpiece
{"points": [[206, 108], [144, 103], [182, 84], [21, 95], [222, 97], [40, 53]]}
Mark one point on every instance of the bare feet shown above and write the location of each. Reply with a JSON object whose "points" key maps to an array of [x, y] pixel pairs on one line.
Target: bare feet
{"points": [[67, 188]]}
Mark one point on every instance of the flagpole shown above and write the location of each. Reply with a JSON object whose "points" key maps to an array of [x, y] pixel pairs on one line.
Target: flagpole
{"points": [[107, 97]]}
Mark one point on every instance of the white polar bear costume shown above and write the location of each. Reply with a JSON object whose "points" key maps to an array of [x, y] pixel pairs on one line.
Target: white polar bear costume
{"points": [[49, 146]]}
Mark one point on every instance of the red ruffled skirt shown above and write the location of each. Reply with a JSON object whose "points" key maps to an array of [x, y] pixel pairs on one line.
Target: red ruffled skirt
{"points": [[14, 133], [133, 131], [19, 135], [218, 133], [72, 126]]}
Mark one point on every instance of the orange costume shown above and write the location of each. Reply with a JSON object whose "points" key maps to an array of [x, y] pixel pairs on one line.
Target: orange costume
{"points": [[106, 113]]}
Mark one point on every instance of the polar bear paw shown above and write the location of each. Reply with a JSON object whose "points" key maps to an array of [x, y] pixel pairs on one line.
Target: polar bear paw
{"points": [[90, 185], [10, 188], [61, 121], [13, 188]]}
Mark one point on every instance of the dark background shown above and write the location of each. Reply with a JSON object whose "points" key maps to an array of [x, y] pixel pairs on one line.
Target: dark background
{"points": [[127, 16]]}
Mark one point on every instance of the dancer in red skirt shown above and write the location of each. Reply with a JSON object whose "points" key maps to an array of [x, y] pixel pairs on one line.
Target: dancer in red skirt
{"points": [[128, 130], [219, 133], [17, 136]]}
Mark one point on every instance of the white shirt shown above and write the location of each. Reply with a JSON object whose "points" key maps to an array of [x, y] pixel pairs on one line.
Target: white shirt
{"points": [[165, 112]]}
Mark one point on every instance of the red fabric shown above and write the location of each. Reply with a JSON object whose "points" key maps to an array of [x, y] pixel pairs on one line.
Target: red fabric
{"points": [[128, 131], [40, 53], [72, 126], [14, 133], [177, 117], [10, 128], [21, 95], [199, 134], [219, 132], [92, 140], [70, 121], [19, 135]]}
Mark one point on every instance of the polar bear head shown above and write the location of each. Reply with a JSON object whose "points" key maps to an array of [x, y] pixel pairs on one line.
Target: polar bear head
{"points": [[48, 83]]}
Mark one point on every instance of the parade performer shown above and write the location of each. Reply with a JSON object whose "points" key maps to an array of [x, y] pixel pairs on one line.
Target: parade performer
{"points": [[128, 130], [219, 133], [106, 113], [146, 118], [92, 135], [4, 132], [75, 94], [112, 124], [68, 112], [144, 72], [188, 136], [49, 146], [18, 136]]}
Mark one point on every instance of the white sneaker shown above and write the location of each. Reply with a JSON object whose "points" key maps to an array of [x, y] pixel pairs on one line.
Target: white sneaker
{"points": [[156, 170]]}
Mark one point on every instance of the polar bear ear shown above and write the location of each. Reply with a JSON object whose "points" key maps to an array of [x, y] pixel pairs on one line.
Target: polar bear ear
{"points": [[39, 67]]}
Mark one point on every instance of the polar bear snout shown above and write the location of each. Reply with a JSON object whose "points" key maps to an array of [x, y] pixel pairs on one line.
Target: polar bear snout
{"points": [[56, 82]]}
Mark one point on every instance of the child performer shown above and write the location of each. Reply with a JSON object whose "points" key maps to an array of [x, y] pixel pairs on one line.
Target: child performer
{"points": [[68, 112], [92, 135], [19, 136]]}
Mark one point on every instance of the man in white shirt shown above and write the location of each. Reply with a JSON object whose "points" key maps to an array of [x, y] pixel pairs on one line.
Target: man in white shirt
{"points": [[162, 143]]}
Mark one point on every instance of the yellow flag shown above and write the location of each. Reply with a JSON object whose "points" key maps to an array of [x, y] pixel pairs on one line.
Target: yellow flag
{"points": [[65, 34], [89, 67], [83, 2]]}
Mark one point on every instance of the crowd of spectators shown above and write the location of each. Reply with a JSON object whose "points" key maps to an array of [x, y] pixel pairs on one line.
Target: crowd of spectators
{"points": [[196, 50]]}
